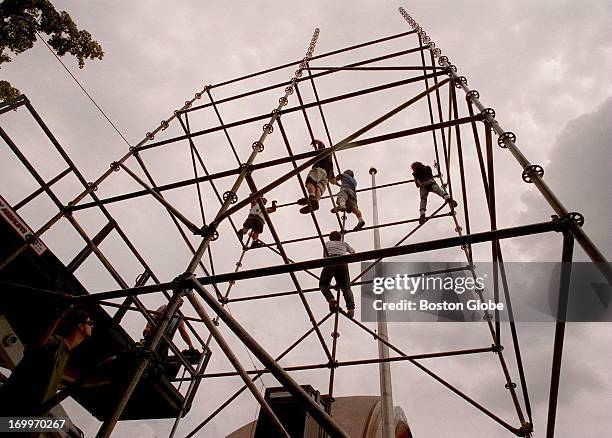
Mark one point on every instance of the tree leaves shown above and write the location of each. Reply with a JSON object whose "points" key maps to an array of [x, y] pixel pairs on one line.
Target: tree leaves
{"points": [[21, 20]]}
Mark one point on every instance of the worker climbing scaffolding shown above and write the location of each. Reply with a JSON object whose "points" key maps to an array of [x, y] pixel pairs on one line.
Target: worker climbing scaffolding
{"points": [[321, 173], [255, 222], [424, 180], [336, 247], [347, 197]]}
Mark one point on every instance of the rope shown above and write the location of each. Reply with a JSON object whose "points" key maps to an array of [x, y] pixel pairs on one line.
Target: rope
{"points": [[84, 90]]}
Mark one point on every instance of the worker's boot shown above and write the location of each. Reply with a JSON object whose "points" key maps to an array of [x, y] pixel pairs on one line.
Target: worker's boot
{"points": [[350, 312], [333, 305], [422, 219]]}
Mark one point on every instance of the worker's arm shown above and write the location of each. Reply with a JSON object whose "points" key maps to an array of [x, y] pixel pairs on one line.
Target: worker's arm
{"points": [[155, 317], [335, 180], [185, 335], [53, 326], [271, 209], [349, 248]]}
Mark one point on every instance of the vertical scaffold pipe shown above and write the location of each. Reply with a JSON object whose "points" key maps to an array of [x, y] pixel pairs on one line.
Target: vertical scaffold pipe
{"points": [[384, 368]]}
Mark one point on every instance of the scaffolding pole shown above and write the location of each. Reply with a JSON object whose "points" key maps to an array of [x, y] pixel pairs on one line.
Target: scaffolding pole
{"points": [[384, 368]]}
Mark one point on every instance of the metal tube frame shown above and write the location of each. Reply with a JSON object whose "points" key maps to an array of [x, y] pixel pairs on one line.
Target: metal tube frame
{"points": [[566, 223]]}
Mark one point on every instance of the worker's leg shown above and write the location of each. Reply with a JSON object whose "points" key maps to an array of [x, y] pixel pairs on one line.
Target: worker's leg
{"points": [[351, 206], [442, 193], [423, 206], [340, 202], [310, 188], [341, 274], [324, 281], [258, 227]]}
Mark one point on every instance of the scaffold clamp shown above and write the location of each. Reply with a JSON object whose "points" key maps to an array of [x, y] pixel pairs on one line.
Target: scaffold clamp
{"points": [[497, 348], [567, 219], [208, 231], [525, 429]]}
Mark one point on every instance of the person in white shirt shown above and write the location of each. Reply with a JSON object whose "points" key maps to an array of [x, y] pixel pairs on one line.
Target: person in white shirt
{"points": [[255, 222], [336, 247]]}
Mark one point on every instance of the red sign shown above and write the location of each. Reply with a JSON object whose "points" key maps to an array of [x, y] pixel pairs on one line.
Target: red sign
{"points": [[13, 219]]}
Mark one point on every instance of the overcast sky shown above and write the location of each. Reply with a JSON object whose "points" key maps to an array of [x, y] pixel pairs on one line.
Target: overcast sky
{"points": [[543, 66]]}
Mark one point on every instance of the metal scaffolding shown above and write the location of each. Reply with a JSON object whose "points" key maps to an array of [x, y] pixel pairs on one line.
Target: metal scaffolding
{"points": [[440, 81]]}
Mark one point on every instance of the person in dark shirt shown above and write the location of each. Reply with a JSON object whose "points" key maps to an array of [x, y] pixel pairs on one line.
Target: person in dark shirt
{"points": [[321, 173], [346, 199], [424, 180], [37, 377]]}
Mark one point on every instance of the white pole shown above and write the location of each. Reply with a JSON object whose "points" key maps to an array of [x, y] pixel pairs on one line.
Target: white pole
{"points": [[384, 369]]}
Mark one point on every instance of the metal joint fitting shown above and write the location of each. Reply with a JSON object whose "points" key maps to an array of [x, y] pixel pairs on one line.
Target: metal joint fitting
{"points": [[208, 231], [508, 135], [488, 112], [525, 429], [233, 198], [497, 348], [471, 95], [180, 280], [529, 171], [565, 220], [460, 80], [258, 145]]}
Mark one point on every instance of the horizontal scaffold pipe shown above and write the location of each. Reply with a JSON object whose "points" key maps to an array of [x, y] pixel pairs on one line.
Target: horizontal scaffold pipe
{"points": [[305, 78], [278, 161], [431, 245], [293, 109], [322, 55], [357, 283], [372, 227], [352, 362]]}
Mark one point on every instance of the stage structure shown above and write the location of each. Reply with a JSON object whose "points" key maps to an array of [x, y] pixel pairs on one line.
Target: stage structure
{"points": [[420, 64]]}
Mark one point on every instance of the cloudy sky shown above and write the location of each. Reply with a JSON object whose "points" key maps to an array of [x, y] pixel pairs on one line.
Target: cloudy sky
{"points": [[543, 66]]}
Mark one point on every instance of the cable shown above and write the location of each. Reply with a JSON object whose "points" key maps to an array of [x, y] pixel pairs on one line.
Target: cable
{"points": [[84, 90]]}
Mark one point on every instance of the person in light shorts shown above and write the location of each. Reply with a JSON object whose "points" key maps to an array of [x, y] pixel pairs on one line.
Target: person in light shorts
{"points": [[346, 199], [255, 222], [321, 173]]}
